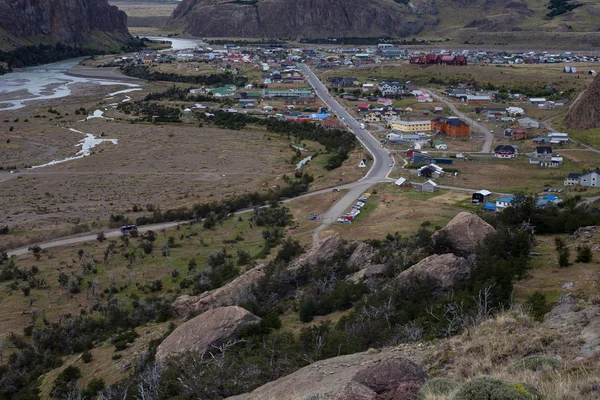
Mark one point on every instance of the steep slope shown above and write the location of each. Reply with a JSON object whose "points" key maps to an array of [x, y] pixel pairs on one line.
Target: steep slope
{"points": [[585, 113], [91, 23], [464, 21], [302, 18]]}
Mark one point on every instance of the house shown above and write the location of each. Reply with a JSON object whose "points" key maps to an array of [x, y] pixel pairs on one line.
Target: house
{"points": [[332, 123], [517, 111], [516, 134], [391, 88], [427, 187], [572, 179], [292, 93], [536, 100], [410, 126], [481, 197], [440, 146], [471, 99], [421, 158], [504, 202], [570, 70], [431, 171], [505, 151], [363, 107], [591, 179], [528, 123], [452, 127], [403, 182], [374, 116], [558, 137], [438, 110], [489, 207], [544, 155], [547, 200]]}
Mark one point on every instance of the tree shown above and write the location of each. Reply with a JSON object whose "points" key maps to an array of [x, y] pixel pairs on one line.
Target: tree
{"points": [[563, 257], [538, 305], [584, 254]]}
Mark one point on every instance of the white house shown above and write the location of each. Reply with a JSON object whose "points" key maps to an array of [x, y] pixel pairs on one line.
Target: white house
{"points": [[572, 179], [504, 202], [591, 179]]}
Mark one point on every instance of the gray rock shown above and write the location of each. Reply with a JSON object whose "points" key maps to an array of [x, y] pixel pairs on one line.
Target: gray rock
{"points": [[200, 334], [371, 271], [465, 232]]}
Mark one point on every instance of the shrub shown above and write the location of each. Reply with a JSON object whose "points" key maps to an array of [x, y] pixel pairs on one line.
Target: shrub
{"points": [[538, 305], [486, 388], [86, 357], [584, 254], [437, 387], [535, 363]]}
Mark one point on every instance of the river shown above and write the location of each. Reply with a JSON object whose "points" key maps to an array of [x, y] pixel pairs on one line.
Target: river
{"points": [[44, 82], [179, 43]]}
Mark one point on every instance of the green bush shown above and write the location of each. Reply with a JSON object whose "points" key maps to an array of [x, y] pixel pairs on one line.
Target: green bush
{"points": [[486, 388], [437, 387], [535, 363]]}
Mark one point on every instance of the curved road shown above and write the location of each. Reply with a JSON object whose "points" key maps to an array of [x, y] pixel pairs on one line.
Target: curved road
{"points": [[382, 161], [489, 136]]}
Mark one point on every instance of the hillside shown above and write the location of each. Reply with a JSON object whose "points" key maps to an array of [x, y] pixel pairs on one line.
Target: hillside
{"points": [[585, 113], [462, 21], [91, 24]]}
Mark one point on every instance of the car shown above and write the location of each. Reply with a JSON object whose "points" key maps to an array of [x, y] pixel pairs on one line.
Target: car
{"points": [[312, 217], [130, 230], [390, 165], [336, 190]]}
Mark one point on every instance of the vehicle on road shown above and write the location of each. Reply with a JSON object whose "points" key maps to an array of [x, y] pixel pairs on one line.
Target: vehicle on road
{"points": [[312, 217], [362, 126], [336, 190], [130, 230]]}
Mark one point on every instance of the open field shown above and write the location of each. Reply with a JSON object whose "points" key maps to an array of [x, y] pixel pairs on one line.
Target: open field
{"points": [[165, 165], [145, 17], [393, 209]]}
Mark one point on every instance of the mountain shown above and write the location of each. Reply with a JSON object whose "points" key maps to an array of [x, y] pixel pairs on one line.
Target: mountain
{"points": [[80, 23], [585, 113], [462, 21]]}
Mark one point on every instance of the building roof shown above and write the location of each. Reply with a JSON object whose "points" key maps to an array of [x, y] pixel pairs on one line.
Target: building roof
{"points": [[573, 175], [484, 192], [490, 207], [504, 147], [409, 123], [508, 199], [543, 150], [400, 181]]}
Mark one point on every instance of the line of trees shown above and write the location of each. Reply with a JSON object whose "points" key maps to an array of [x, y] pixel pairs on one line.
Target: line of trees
{"points": [[224, 78]]}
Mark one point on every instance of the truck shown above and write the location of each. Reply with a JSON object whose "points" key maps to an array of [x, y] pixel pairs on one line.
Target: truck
{"points": [[129, 230]]}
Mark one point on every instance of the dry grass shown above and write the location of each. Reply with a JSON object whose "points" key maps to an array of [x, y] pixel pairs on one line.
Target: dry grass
{"points": [[493, 346]]}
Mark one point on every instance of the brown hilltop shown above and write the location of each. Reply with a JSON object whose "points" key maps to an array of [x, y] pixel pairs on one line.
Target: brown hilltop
{"points": [[585, 113], [93, 23]]}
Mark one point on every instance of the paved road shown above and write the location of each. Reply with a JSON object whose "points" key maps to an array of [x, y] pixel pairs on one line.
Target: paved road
{"points": [[382, 162], [488, 135]]}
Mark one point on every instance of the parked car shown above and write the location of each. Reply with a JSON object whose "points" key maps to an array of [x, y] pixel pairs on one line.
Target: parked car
{"points": [[130, 230]]}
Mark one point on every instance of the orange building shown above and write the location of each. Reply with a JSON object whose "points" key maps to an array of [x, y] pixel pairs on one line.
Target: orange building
{"points": [[452, 127]]}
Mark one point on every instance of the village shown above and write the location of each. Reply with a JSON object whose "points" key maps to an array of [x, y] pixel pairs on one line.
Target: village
{"points": [[431, 128]]}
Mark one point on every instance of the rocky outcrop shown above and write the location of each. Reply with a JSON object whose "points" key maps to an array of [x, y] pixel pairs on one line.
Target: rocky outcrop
{"points": [[398, 379], [72, 22], [235, 292], [355, 391], [441, 272], [585, 113], [301, 18], [200, 334], [322, 252], [361, 256], [465, 232], [326, 379], [371, 271]]}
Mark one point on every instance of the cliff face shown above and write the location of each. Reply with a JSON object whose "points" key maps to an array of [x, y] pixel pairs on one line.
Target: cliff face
{"points": [[585, 113], [308, 18], [74, 22]]}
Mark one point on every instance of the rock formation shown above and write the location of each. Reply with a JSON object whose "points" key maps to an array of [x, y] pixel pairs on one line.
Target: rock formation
{"points": [[585, 113], [308, 18], [199, 334], [465, 232], [442, 272], [73, 22], [333, 377], [393, 379], [235, 292], [321, 252]]}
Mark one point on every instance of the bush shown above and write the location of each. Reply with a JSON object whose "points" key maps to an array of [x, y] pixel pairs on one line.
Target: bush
{"points": [[538, 305], [86, 357], [437, 387], [486, 388], [584, 254], [535, 363]]}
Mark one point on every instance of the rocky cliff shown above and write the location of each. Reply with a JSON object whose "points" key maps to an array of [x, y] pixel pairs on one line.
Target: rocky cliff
{"points": [[585, 113], [91, 23], [302, 18]]}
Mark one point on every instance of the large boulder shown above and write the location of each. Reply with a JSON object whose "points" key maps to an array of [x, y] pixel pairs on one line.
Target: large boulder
{"points": [[355, 391], [322, 252], [441, 271], [393, 379], [465, 232], [212, 328], [361, 256], [371, 271], [235, 292]]}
